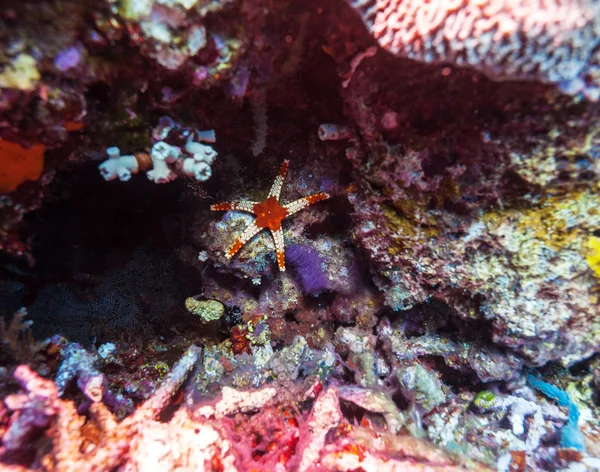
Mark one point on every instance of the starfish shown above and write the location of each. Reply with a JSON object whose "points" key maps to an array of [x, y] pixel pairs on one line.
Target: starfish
{"points": [[269, 215]]}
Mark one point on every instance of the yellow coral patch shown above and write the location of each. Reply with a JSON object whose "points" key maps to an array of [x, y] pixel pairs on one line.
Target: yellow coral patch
{"points": [[559, 221], [408, 230], [593, 257], [21, 74]]}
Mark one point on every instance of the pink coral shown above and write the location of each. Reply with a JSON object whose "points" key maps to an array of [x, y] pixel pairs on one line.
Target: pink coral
{"points": [[266, 428], [550, 41], [32, 410]]}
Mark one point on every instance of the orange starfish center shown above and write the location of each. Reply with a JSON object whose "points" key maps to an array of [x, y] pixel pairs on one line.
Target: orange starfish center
{"points": [[269, 214]]}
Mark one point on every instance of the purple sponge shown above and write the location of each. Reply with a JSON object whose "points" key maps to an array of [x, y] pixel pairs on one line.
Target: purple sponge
{"points": [[307, 267]]}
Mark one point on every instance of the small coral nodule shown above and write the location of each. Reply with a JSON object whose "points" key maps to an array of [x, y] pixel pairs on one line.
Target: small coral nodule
{"points": [[269, 215], [207, 310], [334, 132]]}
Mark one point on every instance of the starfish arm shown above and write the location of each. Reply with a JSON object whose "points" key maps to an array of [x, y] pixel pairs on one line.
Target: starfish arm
{"points": [[278, 184], [279, 248], [295, 207], [226, 206], [246, 236]]}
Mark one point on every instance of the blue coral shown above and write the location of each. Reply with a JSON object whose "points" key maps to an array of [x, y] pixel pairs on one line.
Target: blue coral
{"points": [[570, 435]]}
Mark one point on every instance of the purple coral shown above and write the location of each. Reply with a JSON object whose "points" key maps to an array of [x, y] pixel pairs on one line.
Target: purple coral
{"points": [[68, 58], [33, 409], [307, 267]]}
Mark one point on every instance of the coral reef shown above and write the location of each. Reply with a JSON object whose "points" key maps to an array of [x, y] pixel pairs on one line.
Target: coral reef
{"points": [[253, 411], [494, 223], [205, 436], [439, 311]]}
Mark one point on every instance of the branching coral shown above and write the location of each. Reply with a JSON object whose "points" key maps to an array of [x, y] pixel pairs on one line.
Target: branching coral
{"points": [[487, 362], [276, 427], [16, 339], [517, 410], [35, 409], [72, 450]]}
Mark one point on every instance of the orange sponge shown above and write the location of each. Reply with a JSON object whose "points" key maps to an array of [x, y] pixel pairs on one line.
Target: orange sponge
{"points": [[18, 164]]}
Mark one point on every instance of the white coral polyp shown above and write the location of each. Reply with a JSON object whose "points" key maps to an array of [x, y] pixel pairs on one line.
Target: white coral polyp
{"points": [[166, 159], [162, 151], [201, 152], [200, 170], [117, 166], [161, 173], [163, 154]]}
